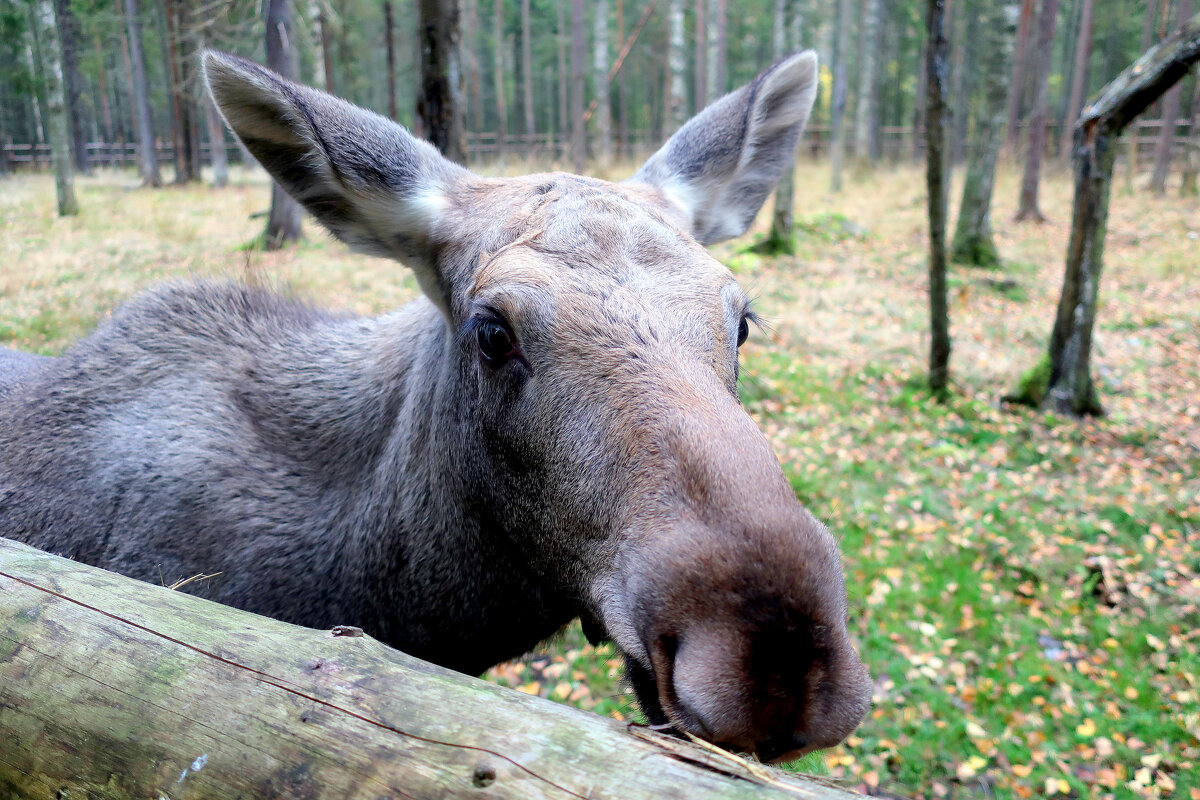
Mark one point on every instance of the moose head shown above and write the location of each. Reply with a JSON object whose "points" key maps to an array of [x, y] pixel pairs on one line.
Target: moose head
{"points": [[584, 439]]}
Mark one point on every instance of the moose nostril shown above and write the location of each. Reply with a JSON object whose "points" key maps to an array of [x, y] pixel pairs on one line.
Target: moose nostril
{"points": [[771, 749]]}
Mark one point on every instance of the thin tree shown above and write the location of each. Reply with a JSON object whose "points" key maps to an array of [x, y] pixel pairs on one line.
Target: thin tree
{"points": [[838, 112], [1017, 83], [564, 101], [527, 73], [146, 150], [216, 145], [622, 90], [973, 239], [283, 223], [1148, 38], [1079, 76], [785, 38], [865, 111], [440, 100], [1170, 115], [389, 46], [56, 109], [600, 86], [676, 88], [1063, 380], [68, 36], [700, 72], [498, 76], [717, 25], [578, 85], [1191, 166], [1027, 208], [935, 183]]}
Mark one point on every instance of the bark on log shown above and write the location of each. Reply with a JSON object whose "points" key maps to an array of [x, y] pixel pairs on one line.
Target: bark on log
{"points": [[1069, 386], [110, 688]]}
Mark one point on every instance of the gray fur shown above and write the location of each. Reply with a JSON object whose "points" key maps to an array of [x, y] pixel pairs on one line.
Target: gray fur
{"points": [[18, 369], [382, 472]]}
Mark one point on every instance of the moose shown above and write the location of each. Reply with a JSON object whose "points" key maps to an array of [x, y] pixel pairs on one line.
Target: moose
{"points": [[551, 432]]}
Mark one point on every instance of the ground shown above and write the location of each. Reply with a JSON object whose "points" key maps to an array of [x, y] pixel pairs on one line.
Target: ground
{"points": [[1024, 588]]}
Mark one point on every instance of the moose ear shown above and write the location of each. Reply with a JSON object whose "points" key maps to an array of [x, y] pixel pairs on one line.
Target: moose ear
{"points": [[365, 178], [722, 164]]}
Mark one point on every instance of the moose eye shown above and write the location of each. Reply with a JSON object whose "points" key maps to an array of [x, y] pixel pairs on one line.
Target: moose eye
{"points": [[495, 343], [743, 331]]}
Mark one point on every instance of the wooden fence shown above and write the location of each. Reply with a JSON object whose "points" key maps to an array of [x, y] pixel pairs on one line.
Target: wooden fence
{"points": [[896, 143]]}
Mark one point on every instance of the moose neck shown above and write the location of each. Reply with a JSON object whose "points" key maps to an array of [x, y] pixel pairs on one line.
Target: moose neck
{"points": [[427, 568]]}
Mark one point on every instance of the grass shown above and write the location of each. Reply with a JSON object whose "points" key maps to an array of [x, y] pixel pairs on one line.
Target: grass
{"points": [[1024, 588]]}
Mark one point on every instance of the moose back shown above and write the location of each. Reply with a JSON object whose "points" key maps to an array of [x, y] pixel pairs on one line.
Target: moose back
{"points": [[553, 431]]}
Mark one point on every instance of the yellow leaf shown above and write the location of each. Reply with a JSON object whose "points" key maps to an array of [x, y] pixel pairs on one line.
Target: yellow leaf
{"points": [[975, 731], [1155, 642], [1131, 693], [1021, 770], [530, 688], [1086, 728], [977, 762]]}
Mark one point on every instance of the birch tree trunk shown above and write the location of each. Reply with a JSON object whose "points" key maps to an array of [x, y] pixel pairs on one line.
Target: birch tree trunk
{"points": [[216, 145], [785, 38], [717, 32], [1016, 84], [1027, 208], [973, 239], [935, 183], [1079, 78], [1170, 115], [527, 75], [1062, 380], [578, 85], [440, 100], [600, 84], [283, 223], [865, 111], [838, 114], [498, 76], [56, 109], [676, 87]]}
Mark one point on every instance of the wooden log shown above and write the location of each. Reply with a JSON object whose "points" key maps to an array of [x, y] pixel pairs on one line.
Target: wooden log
{"points": [[114, 688]]}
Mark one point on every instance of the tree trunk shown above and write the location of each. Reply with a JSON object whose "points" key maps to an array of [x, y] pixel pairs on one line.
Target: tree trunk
{"points": [[498, 76], [578, 85], [216, 145], [1016, 85], [717, 33], [865, 110], [677, 111], [527, 74], [147, 152], [838, 110], [440, 102], [389, 44], [1062, 380], [1191, 164], [470, 54], [1148, 38], [110, 687], [1036, 145], [622, 91], [106, 117], [973, 240], [326, 57], [963, 83], [1170, 115], [56, 109], [700, 72], [283, 224], [1083, 57], [785, 38], [600, 84], [565, 122], [935, 183], [68, 36]]}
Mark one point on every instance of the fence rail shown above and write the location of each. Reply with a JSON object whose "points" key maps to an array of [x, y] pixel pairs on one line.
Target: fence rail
{"points": [[895, 143]]}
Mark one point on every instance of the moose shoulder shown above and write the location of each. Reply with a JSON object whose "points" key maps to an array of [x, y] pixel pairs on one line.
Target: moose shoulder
{"points": [[552, 431]]}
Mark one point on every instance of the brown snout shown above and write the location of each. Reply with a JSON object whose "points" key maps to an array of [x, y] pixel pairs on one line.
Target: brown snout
{"points": [[746, 641]]}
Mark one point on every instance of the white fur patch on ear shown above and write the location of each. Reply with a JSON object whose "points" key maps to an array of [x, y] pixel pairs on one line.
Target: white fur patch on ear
{"points": [[721, 165]]}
